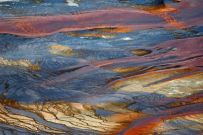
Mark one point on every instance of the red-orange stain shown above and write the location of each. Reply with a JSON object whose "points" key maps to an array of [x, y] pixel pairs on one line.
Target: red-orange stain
{"points": [[165, 13], [148, 124], [188, 52], [145, 129], [35, 26], [127, 18]]}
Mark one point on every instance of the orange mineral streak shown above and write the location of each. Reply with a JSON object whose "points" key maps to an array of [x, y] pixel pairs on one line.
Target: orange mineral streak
{"points": [[147, 127], [165, 13], [120, 18], [115, 30], [144, 129], [128, 69], [187, 53], [76, 115], [196, 98], [172, 21], [150, 76], [101, 32], [148, 124], [125, 119]]}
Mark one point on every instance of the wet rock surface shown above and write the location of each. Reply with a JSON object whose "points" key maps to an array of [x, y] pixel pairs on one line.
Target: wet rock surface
{"points": [[130, 67], [146, 2]]}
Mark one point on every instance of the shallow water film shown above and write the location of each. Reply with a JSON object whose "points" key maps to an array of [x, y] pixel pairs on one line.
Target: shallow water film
{"points": [[101, 67]]}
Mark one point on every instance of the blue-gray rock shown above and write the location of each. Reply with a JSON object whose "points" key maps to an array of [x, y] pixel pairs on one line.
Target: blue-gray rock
{"points": [[146, 2]]}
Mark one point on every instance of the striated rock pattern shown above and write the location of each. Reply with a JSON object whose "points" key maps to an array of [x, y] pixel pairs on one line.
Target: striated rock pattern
{"points": [[71, 115], [19, 63], [82, 67]]}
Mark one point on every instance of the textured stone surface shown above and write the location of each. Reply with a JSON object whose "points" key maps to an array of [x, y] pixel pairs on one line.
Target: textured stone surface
{"points": [[90, 67]]}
